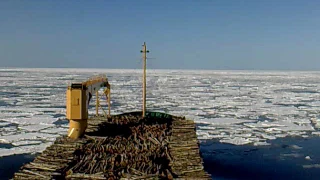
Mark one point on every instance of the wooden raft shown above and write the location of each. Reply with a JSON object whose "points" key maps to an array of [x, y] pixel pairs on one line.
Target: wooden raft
{"points": [[124, 146]]}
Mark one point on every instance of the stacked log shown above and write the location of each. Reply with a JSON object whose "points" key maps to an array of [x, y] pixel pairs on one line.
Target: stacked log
{"points": [[184, 148], [52, 162], [125, 146]]}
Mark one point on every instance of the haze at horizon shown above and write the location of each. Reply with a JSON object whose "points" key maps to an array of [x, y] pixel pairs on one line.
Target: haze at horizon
{"points": [[248, 34]]}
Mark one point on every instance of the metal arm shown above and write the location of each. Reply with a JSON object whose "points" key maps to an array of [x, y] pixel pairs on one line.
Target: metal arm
{"points": [[78, 98]]}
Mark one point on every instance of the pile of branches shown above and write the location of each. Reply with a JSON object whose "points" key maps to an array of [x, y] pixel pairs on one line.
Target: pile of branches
{"points": [[125, 147]]}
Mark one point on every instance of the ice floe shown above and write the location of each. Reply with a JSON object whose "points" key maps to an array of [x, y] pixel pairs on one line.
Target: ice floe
{"points": [[316, 122], [56, 130], [262, 143], [311, 166], [223, 121], [25, 149], [308, 158], [237, 107], [295, 147], [316, 133], [27, 136], [35, 127], [236, 140], [38, 119], [26, 142], [4, 124], [295, 155]]}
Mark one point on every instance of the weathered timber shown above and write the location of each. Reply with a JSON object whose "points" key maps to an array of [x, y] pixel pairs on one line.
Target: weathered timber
{"points": [[126, 146]]}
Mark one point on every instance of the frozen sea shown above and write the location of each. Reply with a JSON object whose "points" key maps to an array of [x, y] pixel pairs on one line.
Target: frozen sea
{"points": [[249, 119]]}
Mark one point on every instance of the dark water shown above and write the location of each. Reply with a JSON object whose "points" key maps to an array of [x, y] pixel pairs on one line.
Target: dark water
{"points": [[6, 146], [11, 164], [284, 159]]}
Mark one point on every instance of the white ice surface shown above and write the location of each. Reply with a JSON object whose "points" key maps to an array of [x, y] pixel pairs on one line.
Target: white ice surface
{"points": [[223, 121], [25, 142], [311, 166], [24, 149], [35, 127], [316, 133], [263, 143], [59, 130], [4, 124], [236, 140], [38, 119], [316, 122], [27, 136], [236, 107]]}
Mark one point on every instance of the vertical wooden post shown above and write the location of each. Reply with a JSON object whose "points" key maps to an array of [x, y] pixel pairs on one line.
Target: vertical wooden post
{"points": [[144, 52], [97, 103], [109, 102]]}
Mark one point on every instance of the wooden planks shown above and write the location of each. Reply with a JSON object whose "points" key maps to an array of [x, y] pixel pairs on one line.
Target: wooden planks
{"points": [[184, 149], [123, 147]]}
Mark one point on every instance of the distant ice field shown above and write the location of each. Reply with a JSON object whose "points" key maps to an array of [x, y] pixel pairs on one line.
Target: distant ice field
{"points": [[236, 107]]}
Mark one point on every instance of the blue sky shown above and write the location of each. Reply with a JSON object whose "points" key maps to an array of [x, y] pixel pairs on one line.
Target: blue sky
{"points": [[180, 34]]}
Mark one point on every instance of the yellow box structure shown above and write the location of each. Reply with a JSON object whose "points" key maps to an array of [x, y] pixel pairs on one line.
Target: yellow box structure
{"points": [[76, 104]]}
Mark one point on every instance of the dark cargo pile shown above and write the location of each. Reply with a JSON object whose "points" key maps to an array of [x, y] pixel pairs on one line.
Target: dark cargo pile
{"points": [[125, 146]]}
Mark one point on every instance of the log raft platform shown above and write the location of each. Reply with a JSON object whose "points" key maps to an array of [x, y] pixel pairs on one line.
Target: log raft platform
{"points": [[126, 146]]}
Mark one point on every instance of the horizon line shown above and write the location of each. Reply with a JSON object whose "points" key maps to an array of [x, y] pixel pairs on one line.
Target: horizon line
{"points": [[185, 69]]}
